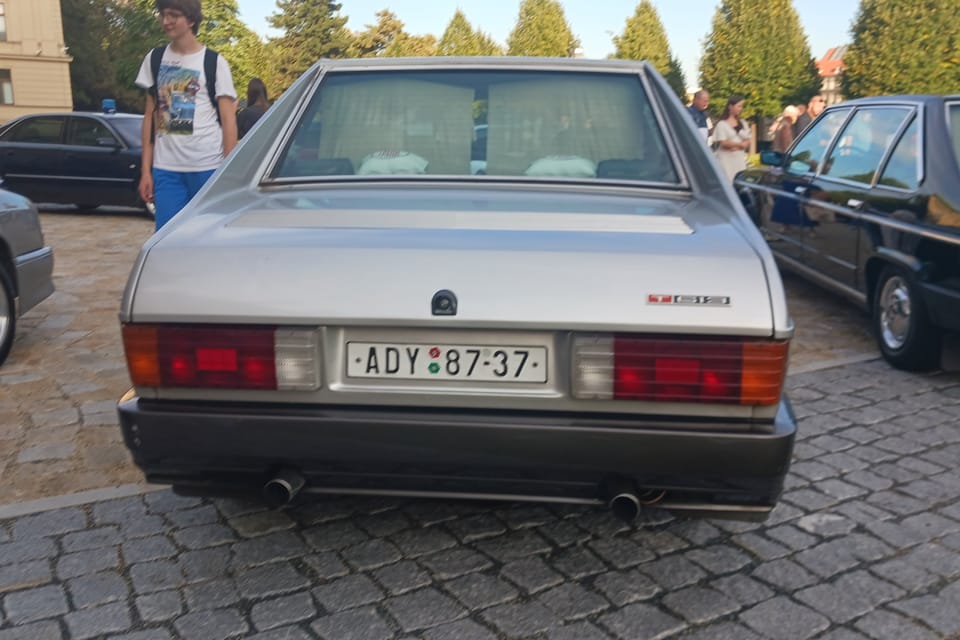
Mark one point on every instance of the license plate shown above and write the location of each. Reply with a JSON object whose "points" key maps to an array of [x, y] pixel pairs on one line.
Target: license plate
{"points": [[483, 363]]}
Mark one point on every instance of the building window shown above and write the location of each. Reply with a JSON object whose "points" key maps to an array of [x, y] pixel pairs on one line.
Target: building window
{"points": [[6, 87], [3, 23]]}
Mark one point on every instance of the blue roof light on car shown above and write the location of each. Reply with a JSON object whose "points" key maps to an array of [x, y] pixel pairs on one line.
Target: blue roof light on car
{"points": [[108, 105]]}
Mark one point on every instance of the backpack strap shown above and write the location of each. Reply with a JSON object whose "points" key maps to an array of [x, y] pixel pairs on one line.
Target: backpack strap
{"points": [[210, 72], [156, 57]]}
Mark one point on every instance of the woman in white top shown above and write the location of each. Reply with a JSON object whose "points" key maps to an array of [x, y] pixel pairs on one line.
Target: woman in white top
{"points": [[732, 138]]}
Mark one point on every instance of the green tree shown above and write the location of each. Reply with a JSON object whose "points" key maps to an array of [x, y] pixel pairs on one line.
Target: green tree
{"points": [[903, 46], [644, 38], [312, 29], [541, 30], [132, 31], [461, 39], [375, 39], [85, 32], [224, 31], [406, 45], [757, 49]]}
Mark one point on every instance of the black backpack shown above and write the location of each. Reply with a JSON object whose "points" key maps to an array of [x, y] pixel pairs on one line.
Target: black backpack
{"points": [[209, 70]]}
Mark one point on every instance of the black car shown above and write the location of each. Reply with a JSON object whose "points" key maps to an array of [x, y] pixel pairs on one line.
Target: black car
{"points": [[866, 202], [86, 159]]}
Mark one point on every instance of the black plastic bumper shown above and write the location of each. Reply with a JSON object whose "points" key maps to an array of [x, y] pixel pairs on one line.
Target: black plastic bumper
{"points": [[218, 448]]}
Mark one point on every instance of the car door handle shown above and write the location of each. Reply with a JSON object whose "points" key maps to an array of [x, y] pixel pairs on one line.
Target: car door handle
{"points": [[800, 190], [853, 203]]}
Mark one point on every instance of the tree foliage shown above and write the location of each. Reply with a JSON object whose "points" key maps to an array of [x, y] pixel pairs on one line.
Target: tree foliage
{"points": [[461, 39], [644, 38], [541, 30], [85, 33], [757, 49], [312, 29], [224, 31], [904, 46], [377, 38]]}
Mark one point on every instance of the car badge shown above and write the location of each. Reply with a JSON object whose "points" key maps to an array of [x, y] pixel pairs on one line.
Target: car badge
{"points": [[444, 303], [688, 300]]}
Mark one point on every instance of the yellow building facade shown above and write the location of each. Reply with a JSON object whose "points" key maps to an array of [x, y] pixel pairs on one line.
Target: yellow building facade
{"points": [[34, 63]]}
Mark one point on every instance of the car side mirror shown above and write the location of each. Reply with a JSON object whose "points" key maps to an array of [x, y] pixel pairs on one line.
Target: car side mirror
{"points": [[772, 158], [107, 141]]}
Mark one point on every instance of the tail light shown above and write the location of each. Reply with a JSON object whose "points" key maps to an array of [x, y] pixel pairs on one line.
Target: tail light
{"points": [[221, 356], [679, 369]]}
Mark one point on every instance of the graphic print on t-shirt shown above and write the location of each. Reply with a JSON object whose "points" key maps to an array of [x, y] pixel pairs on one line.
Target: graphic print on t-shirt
{"points": [[177, 91]]}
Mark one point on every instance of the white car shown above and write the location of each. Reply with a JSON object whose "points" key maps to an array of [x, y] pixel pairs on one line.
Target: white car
{"points": [[348, 308]]}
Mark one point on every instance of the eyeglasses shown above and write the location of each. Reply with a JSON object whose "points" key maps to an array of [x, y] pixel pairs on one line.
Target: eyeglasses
{"points": [[170, 14]]}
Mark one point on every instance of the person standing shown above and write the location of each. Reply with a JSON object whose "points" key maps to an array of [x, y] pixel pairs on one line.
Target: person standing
{"points": [[814, 109], [190, 121], [698, 111], [783, 134], [732, 137], [257, 105]]}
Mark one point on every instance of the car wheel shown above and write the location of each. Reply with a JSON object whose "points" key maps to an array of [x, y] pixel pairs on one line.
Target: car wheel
{"points": [[904, 333], [8, 314]]}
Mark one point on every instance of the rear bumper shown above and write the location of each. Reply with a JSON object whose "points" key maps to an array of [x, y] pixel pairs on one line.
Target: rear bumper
{"points": [[34, 277], [216, 448]]}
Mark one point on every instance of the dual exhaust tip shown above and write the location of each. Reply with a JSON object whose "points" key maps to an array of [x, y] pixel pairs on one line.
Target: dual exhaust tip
{"points": [[621, 494]]}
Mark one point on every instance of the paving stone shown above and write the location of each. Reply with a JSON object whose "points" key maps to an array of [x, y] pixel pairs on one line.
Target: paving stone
{"points": [[95, 622], [46, 630], [49, 523], [371, 554], [271, 580], [577, 631], [673, 572], [151, 634], [719, 559], [698, 532], [166, 501], [108, 536], [660, 542], [571, 601], [479, 591], [284, 633], [402, 577], [273, 547], [212, 594], [531, 574], [641, 621], [884, 624], [334, 536], [158, 575], [82, 563], [939, 613], [417, 542], [743, 589], [160, 606], [358, 624], [621, 553], [204, 564], [784, 574], [431, 512], [792, 536], [149, 525], [327, 565], [97, 589], [455, 563], [625, 587], [826, 524], [204, 514], [383, 525], [47, 452], [424, 609], [478, 527], [35, 604], [459, 630], [565, 533], [722, 631], [519, 620], [838, 555], [514, 545], [218, 624], [851, 596], [15, 577], [203, 536], [526, 516], [699, 605], [783, 619], [233, 507], [262, 523], [146, 549], [347, 593], [270, 614], [760, 546], [577, 562]]}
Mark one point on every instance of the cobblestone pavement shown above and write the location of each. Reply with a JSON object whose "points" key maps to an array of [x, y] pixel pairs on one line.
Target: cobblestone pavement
{"points": [[865, 542]]}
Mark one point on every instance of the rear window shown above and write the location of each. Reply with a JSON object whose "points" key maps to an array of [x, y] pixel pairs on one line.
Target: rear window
{"points": [[522, 124]]}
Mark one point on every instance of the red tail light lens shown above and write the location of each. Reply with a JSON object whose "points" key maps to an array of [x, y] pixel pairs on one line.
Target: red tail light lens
{"points": [[206, 356], [668, 369]]}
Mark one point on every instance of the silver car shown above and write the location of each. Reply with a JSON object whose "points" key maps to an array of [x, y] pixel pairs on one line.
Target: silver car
{"points": [[348, 307], [26, 264]]}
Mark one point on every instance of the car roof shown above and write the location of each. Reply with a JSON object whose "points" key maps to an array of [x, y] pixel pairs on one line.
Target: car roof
{"points": [[489, 62], [81, 113], [925, 99]]}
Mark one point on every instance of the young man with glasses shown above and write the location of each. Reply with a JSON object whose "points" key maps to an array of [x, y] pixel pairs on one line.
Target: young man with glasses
{"points": [[189, 126], [814, 109]]}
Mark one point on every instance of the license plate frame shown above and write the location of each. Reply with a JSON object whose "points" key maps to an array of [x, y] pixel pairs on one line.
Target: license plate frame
{"points": [[447, 362]]}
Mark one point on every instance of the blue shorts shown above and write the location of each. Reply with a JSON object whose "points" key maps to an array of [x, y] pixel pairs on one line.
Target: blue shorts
{"points": [[172, 191]]}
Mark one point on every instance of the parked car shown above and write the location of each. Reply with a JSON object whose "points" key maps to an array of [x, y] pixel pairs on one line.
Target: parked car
{"points": [[867, 203], [86, 159], [26, 264], [347, 308]]}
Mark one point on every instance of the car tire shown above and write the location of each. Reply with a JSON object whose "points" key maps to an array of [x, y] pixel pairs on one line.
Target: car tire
{"points": [[8, 314], [905, 335]]}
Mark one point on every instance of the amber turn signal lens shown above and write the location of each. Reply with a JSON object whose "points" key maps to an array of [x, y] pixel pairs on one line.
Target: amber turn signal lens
{"points": [[764, 371], [140, 346]]}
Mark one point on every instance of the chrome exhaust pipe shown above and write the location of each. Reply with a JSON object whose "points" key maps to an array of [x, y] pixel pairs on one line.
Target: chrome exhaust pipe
{"points": [[283, 488], [622, 499]]}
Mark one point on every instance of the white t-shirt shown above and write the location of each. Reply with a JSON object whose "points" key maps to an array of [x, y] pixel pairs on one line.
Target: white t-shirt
{"points": [[188, 136]]}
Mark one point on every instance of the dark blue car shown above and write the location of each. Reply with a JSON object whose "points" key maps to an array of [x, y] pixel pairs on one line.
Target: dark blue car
{"points": [[85, 159]]}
